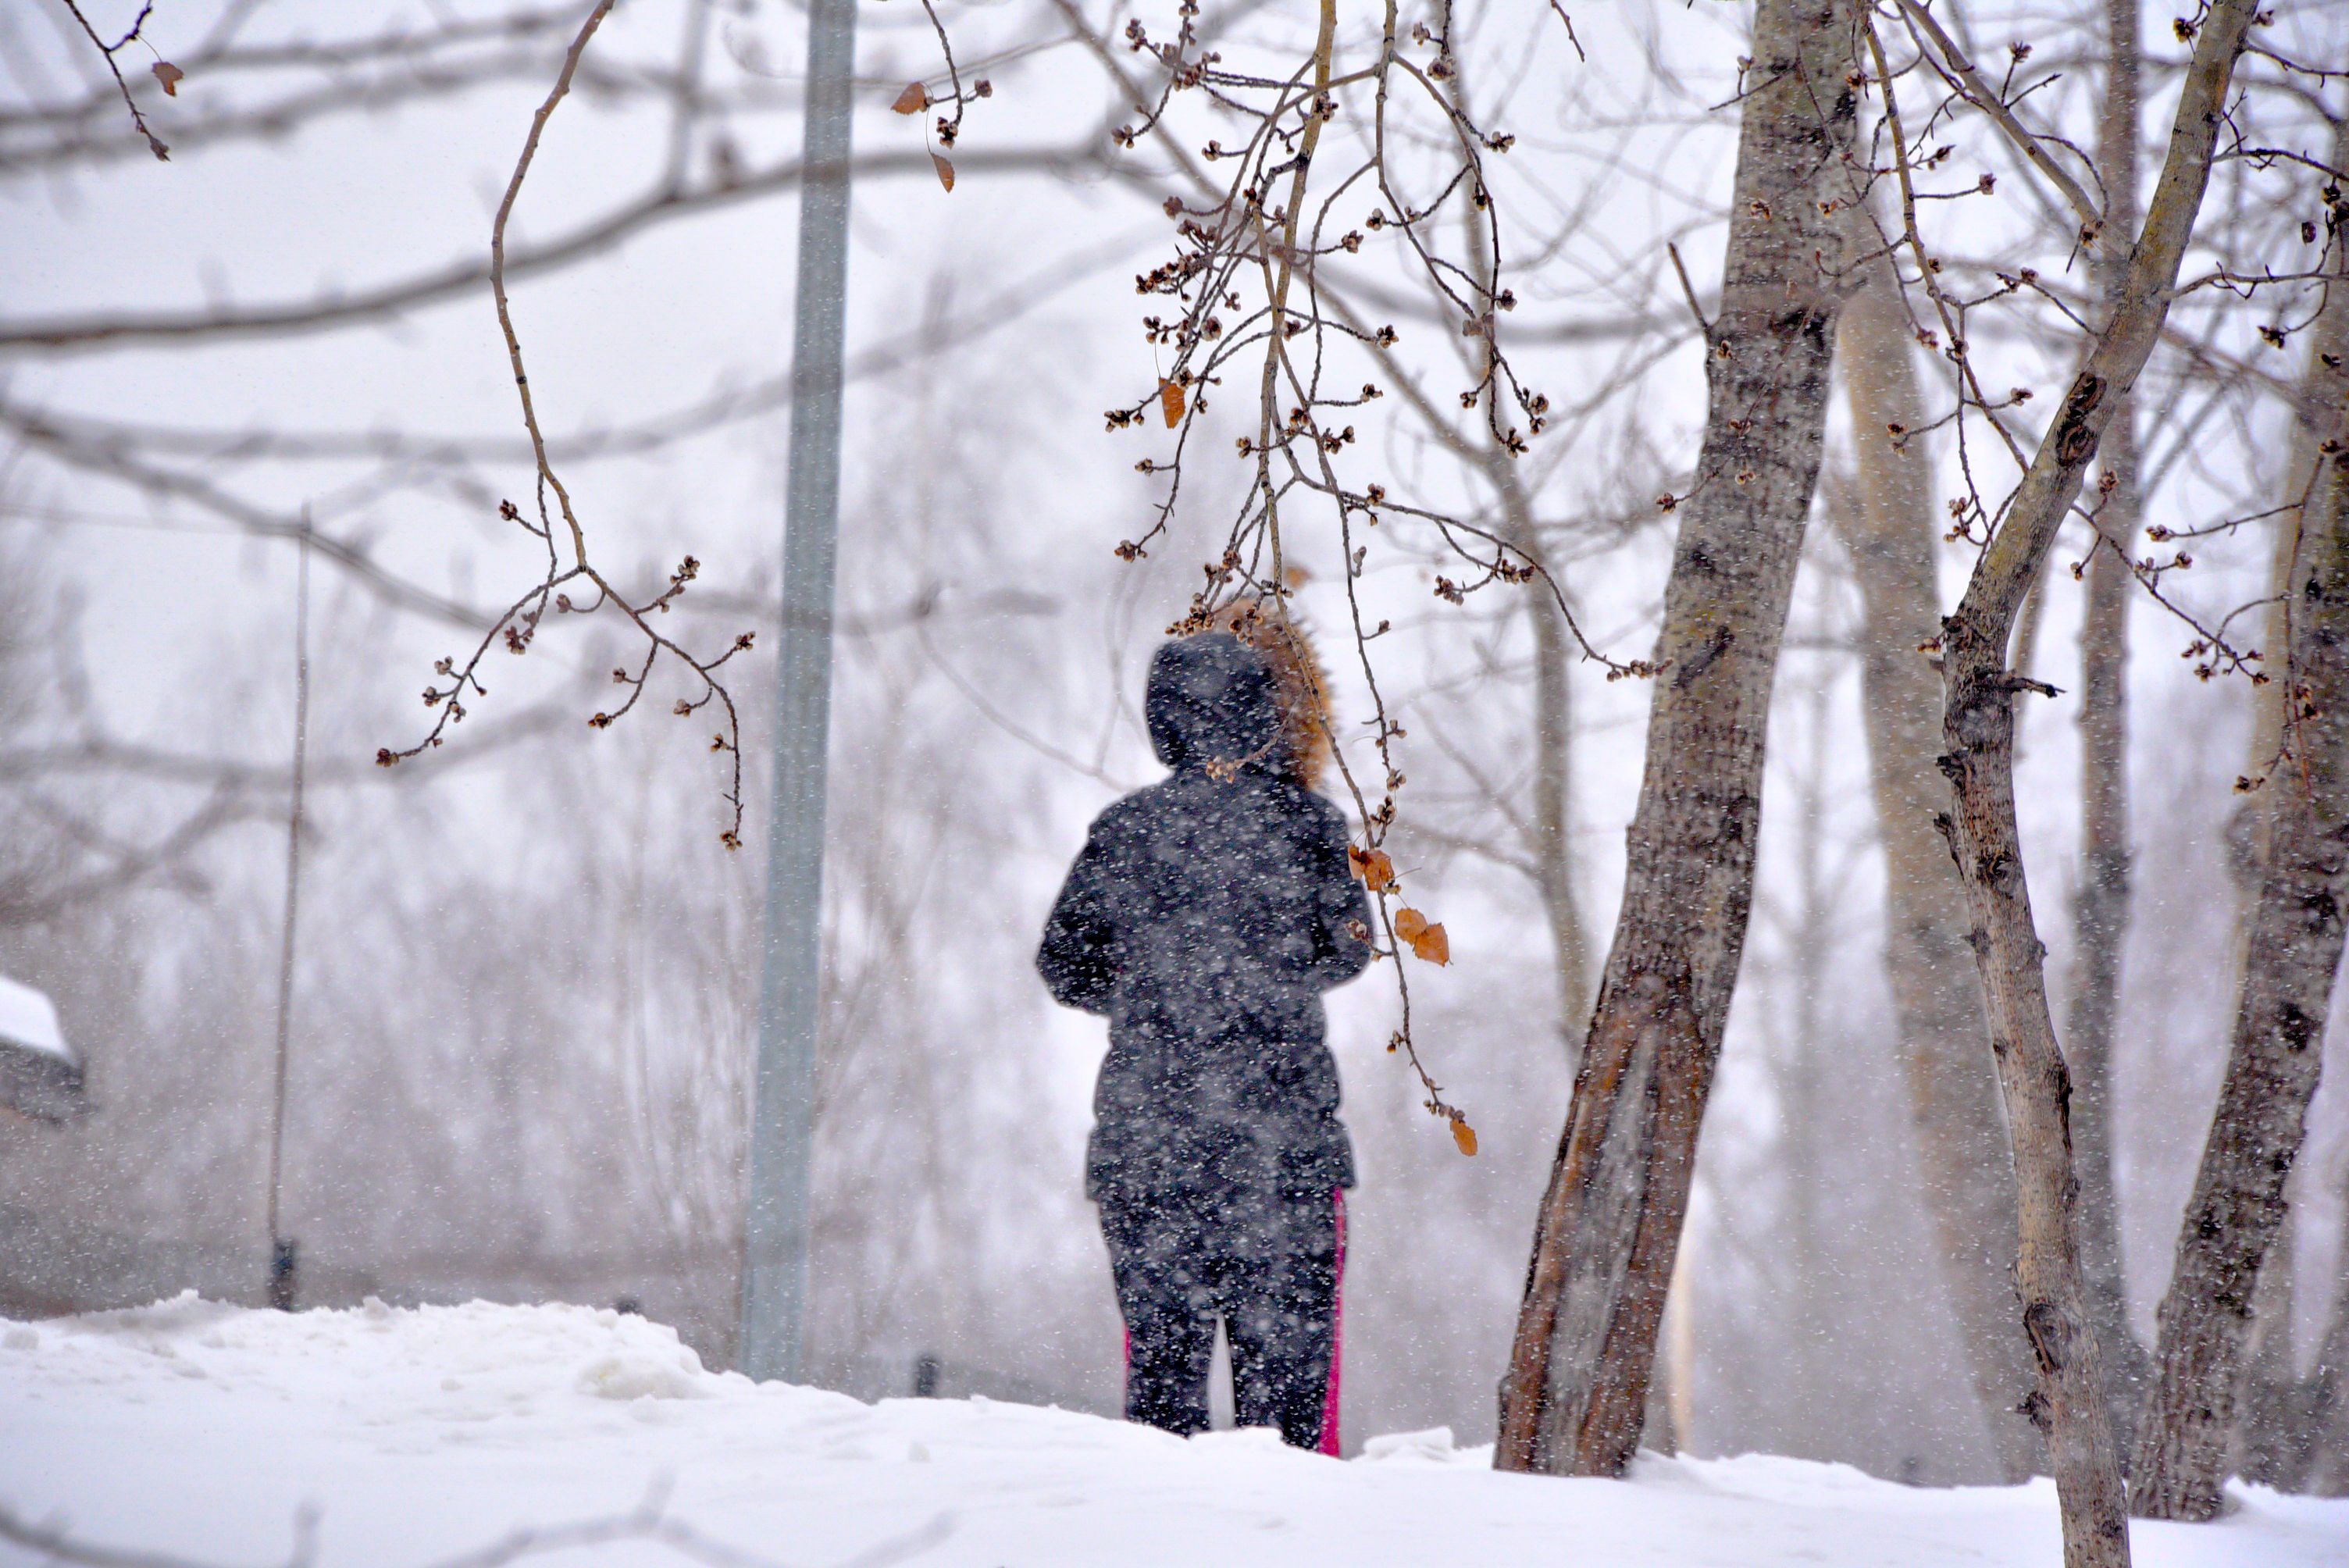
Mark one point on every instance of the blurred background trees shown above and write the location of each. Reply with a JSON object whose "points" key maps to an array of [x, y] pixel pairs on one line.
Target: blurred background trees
{"points": [[527, 974]]}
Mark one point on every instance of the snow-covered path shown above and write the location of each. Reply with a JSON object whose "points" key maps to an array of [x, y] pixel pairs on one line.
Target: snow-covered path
{"points": [[203, 1429]]}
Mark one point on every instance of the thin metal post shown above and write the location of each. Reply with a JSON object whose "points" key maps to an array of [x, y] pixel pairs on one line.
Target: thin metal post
{"points": [[782, 1103], [281, 1286]]}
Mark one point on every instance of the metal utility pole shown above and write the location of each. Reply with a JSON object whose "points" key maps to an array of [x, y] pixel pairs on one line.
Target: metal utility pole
{"points": [[283, 1286], [783, 1097]]}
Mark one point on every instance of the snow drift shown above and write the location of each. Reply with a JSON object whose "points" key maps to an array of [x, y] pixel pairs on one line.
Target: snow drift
{"points": [[206, 1430], [40, 1074]]}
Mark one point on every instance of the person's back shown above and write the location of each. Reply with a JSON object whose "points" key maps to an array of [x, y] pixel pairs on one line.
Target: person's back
{"points": [[1204, 917]]}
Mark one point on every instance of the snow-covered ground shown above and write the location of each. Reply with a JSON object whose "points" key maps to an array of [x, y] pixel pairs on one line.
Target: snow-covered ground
{"points": [[204, 1431]]}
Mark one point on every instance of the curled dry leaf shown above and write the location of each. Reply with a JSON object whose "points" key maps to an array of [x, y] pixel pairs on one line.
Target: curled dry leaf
{"points": [[171, 75], [1376, 871], [946, 170], [1463, 1135], [1170, 403], [1425, 936], [913, 100]]}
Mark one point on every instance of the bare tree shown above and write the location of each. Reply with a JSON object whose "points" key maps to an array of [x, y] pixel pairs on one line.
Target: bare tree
{"points": [[2280, 1415], [1979, 725], [2100, 913], [666, 1024], [1573, 1399], [1937, 1001], [2294, 951]]}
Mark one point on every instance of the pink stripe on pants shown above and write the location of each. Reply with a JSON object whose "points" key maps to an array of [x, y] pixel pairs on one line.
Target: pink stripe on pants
{"points": [[1337, 1330]]}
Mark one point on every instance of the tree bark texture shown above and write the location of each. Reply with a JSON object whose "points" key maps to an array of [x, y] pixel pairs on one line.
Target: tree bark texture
{"points": [[1979, 726], [1962, 1145], [2100, 910], [2294, 948], [2275, 1424], [1572, 1399], [2100, 915]]}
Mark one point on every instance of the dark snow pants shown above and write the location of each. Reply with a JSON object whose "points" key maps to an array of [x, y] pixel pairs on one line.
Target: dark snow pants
{"points": [[1269, 1267]]}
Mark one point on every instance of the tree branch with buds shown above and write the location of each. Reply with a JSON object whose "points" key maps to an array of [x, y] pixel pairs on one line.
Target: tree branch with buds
{"points": [[517, 626]]}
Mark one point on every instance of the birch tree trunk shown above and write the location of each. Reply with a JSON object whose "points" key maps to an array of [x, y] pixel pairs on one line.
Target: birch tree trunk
{"points": [[1962, 1145], [2293, 951], [2100, 911], [1979, 725], [1573, 1397]]}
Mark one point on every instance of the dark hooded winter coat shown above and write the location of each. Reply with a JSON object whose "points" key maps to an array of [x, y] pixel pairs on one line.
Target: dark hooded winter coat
{"points": [[1205, 917]]}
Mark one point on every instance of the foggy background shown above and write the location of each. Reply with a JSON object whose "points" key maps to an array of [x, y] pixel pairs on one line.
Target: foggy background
{"points": [[526, 969]]}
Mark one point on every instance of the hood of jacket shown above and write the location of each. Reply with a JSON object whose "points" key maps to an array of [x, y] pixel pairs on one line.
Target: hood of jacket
{"points": [[1211, 700]]}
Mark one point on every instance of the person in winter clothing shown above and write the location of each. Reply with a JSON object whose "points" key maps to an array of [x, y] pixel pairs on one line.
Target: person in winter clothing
{"points": [[1204, 916]]}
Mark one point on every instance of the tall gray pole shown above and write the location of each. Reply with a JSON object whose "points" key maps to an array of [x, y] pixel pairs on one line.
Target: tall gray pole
{"points": [[282, 1286], [782, 1102]]}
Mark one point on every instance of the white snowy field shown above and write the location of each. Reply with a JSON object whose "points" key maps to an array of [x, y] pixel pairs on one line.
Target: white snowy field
{"points": [[203, 1431]]}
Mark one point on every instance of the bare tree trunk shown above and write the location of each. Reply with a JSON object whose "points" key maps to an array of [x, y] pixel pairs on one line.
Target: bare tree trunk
{"points": [[1800, 1069], [1552, 828], [2273, 1400], [1979, 724], [2293, 951], [1553, 821], [1550, 840], [1936, 1000], [2326, 1467], [1573, 1397], [2100, 913], [2270, 1418], [2100, 917]]}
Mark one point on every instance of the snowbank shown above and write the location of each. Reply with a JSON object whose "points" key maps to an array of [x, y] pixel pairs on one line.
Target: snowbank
{"points": [[203, 1429], [29, 1019], [40, 1074]]}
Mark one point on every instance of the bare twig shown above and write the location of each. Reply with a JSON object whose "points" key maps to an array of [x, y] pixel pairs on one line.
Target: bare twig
{"points": [[1247, 278], [518, 625], [1954, 64], [108, 51]]}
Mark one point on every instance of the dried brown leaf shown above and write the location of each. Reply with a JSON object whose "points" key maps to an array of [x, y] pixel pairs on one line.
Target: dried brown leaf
{"points": [[913, 100], [1463, 1135], [1425, 936], [1372, 866], [1170, 403], [946, 170], [171, 75]]}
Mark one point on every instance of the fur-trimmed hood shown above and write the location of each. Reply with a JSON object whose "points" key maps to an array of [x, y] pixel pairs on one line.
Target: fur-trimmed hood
{"points": [[1249, 695]]}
